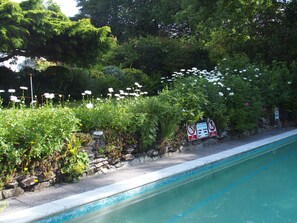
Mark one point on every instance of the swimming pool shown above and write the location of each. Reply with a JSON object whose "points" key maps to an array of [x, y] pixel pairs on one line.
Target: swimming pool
{"points": [[262, 189], [224, 187]]}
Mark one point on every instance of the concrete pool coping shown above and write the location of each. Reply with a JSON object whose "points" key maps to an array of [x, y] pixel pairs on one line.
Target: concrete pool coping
{"points": [[60, 205]]}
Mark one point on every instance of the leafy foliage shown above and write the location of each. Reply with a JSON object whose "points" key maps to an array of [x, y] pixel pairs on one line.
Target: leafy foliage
{"points": [[73, 162], [33, 30], [32, 137], [159, 55]]}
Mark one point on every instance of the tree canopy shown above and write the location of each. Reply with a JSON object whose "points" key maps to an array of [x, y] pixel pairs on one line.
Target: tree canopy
{"points": [[265, 30], [129, 18], [36, 29]]}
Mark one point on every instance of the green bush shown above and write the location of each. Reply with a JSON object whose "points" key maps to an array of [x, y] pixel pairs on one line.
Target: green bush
{"points": [[157, 55], [115, 118], [245, 107], [73, 162], [215, 107], [273, 85], [145, 121], [159, 121], [188, 95], [32, 137]]}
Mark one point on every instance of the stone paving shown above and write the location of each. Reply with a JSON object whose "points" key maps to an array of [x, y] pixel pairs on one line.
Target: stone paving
{"points": [[60, 191]]}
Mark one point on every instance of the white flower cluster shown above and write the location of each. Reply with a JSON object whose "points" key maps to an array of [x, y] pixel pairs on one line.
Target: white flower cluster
{"points": [[134, 91], [215, 77], [24, 88], [90, 105], [87, 92], [14, 99], [11, 91], [49, 95]]}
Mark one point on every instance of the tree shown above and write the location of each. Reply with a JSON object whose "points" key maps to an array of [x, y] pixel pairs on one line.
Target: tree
{"points": [[126, 17], [34, 29], [159, 55], [265, 30], [273, 34], [129, 18]]}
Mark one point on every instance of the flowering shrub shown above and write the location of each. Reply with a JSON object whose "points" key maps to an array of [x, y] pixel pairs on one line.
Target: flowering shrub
{"points": [[236, 95], [244, 107]]}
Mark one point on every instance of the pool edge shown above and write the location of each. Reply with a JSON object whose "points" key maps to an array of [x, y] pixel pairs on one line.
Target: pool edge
{"points": [[55, 207]]}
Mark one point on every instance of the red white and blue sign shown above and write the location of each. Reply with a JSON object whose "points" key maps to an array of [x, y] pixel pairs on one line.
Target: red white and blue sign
{"points": [[202, 130], [192, 132], [212, 130]]}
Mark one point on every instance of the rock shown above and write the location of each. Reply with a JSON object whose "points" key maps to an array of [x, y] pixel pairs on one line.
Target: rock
{"points": [[7, 193], [165, 155], [97, 172], [134, 162], [91, 156], [98, 165], [99, 160], [129, 157], [105, 162], [97, 155], [29, 181], [150, 152], [155, 153], [114, 161], [170, 154], [10, 185], [52, 175], [118, 165], [171, 149], [42, 185], [91, 170], [104, 170], [111, 168], [141, 159], [155, 157], [18, 191], [129, 150], [1, 195], [147, 158], [42, 177], [125, 163]]}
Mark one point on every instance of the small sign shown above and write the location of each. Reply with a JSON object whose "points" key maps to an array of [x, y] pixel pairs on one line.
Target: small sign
{"points": [[192, 133], [202, 130], [276, 114], [212, 130]]}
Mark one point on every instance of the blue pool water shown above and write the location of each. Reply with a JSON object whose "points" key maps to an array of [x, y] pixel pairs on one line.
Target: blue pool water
{"points": [[248, 187], [262, 189]]}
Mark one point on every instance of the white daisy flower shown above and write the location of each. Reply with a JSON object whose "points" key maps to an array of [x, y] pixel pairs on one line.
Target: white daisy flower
{"points": [[89, 105], [11, 90], [23, 88], [88, 92]]}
